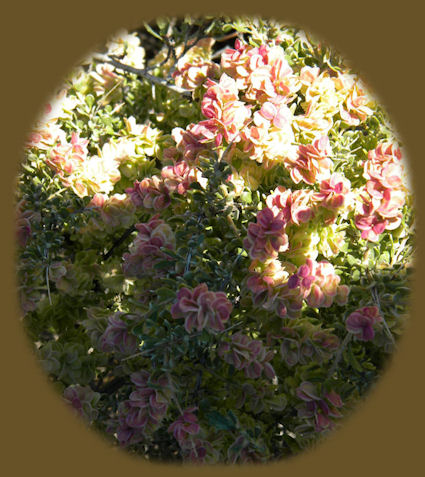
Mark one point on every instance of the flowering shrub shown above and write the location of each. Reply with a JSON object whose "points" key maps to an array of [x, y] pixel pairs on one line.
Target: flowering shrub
{"points": [[215, 237]]}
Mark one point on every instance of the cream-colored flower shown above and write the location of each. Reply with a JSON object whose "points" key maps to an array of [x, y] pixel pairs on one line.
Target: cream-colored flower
{"points": [[331, 241], [147, 137], [122, 150], [127, 45], [97, 174]]}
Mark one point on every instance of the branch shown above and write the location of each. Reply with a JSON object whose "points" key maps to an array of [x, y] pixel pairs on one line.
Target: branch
{"points": [[143, 73], [339, 354], [375, 297], [118, 242]]}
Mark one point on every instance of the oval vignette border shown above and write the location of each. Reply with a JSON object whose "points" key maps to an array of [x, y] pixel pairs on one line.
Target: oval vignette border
{"points": [[41, 42]]}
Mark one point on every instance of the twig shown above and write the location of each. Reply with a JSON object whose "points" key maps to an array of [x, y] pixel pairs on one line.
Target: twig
{"points": [[375, 297], [48, 284], [338, 355], [146, 353], [118, 242], [143, 73]]}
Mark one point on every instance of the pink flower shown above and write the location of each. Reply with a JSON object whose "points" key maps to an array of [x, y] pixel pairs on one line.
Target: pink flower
{"points": [[146, 251], [202, 308], [186, 425], [141, 414], [190, 143], [247, 355], [312, 163], [356, 108], [385, 152], [178, 177], [361, 322], [150, 193], [267, 237], [226, 115], [195, 67], [66, 157], [117, 337], [333, 191], [83, 400], [318, 284], [317, 406], [273, 112], [115, 211]]}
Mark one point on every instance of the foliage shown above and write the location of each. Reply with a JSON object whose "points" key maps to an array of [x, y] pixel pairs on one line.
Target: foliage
{"points": [[215, 238]]}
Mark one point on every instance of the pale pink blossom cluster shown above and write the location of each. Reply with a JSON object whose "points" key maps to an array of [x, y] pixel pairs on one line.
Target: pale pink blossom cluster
{"points": [[153, 193], [145, 409], [321, 408], [85, 174], [190, 143], [247, 104], [382, 198], [45, 135], [185, 425], [83, 400], [266, 238], [117, 338], [202, 308], [356, 107], [248, 355], [335, 195], [270, 139], [298, 345], [66, 157], [114, 211], [318, 284], [268, 283], [150, 193], [194, 67], [225, 113], [314, 283], [327, 94], [262, 72], [362, 321], [297, 206], [312, 162], [178, 177], [146, 251]]}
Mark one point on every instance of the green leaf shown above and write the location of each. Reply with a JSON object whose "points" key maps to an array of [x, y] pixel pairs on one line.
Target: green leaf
{"points": [[152, 32], [89, 100], [221, 422], [353, 360], [165, 295]]}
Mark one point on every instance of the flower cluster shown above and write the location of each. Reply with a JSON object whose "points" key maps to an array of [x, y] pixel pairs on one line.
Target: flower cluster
{"points": [[316, 283], [83, 400], [248, 355], [383, 196], [312, 162], [267, 237], [362, 321], [201, 308], [214, 233], [321, 409], [186, 425], [299, 345], [117, 338], [196, 66], [145, 251], [146, 407]]}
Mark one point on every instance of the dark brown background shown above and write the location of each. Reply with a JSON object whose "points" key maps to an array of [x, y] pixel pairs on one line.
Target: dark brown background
{"points": [[39, 43]]}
